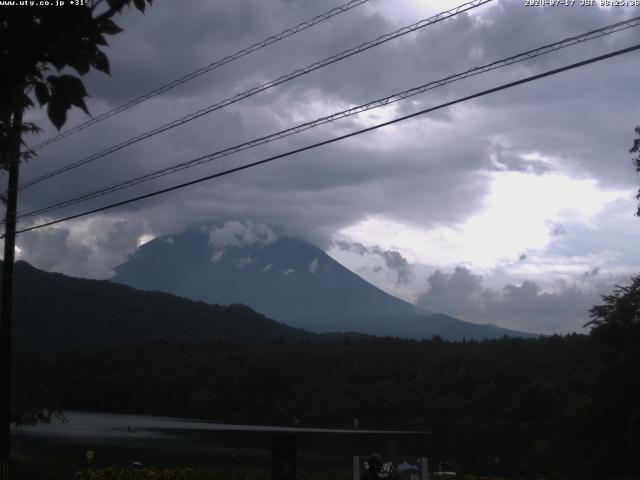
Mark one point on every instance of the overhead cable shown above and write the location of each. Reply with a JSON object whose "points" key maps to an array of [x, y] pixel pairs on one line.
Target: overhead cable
{"points": [[553, 47], [334, 139], [261, 88], [202, 70]]}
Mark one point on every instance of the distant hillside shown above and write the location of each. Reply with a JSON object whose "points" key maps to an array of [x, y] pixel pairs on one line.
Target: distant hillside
{"points": [[57, 312], [419, 326], [286, 279]]}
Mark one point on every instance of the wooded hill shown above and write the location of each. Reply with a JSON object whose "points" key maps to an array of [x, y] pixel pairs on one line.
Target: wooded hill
{"points": [[554, 405], [57, 312], [537, 404]]}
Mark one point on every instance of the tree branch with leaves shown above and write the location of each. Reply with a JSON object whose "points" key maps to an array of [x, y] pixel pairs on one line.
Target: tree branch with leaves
{"points": [[636, 161], [38, 46], [43, 53]]}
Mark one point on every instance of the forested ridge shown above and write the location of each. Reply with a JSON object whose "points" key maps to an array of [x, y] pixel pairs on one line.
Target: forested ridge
{"points": [[568, 405], [383, 381], [58, 312], [542, 392]]}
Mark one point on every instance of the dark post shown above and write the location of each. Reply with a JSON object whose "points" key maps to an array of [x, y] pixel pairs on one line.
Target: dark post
{"points": [[283, 456], [6, 313]]}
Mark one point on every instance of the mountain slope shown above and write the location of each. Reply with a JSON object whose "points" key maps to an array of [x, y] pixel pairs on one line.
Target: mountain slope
{"points": [[286, 279], [57, 312]]}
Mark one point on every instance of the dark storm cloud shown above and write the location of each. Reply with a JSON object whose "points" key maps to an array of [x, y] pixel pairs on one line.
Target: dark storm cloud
{"points": [[430, 172]]}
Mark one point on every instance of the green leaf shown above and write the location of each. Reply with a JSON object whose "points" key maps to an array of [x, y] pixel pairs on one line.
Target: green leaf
{"points": [[59, 64], [57, 113], [79, 102], [42, 93], [67, 90], [109, 27], [99, 39], [26, 102], [81, 62], [71, 87], [99, 61]]}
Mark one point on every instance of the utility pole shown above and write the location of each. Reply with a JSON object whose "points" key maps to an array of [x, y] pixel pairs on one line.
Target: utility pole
{"points": [[6, 312]]}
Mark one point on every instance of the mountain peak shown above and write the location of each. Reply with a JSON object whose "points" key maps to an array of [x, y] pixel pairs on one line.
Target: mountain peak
{"points": [[284, 278]]}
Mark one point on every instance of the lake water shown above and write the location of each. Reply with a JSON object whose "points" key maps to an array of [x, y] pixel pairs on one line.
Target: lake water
{"points": [[119, 440]]}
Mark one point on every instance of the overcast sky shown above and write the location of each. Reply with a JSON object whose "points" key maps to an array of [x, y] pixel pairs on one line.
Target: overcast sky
{"points": [[516, 208]]}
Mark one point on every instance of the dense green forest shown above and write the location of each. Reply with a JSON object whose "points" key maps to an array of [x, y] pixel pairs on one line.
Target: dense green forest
{"points": [[553, 397], [383, 382], [567, 405]]}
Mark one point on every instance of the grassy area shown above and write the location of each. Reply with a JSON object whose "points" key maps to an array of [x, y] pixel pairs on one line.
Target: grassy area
{"points": [[169, 474], [66, 471], [200, 474], [222, 474]]}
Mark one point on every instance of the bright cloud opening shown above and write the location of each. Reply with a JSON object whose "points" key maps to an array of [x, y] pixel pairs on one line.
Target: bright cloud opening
{"points": [[518, 215]]}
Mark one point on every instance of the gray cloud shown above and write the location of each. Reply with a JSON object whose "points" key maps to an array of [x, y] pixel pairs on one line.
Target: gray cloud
{"points": [[524, 306], [240, 234], [395, 261], [313, 266], [392, 258], [355, 247], [594, 272], [43, 248], [89, 252]]}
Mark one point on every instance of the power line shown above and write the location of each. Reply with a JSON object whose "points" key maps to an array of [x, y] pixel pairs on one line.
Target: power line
{"points": [[337, 139], [553, 47], [265, 86], [202, 70]]}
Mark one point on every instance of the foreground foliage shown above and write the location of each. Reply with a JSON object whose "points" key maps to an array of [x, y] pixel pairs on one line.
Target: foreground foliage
{"points": [[568, 406], [166, 474], [383, 382], [503, 395], [220, 474]]}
